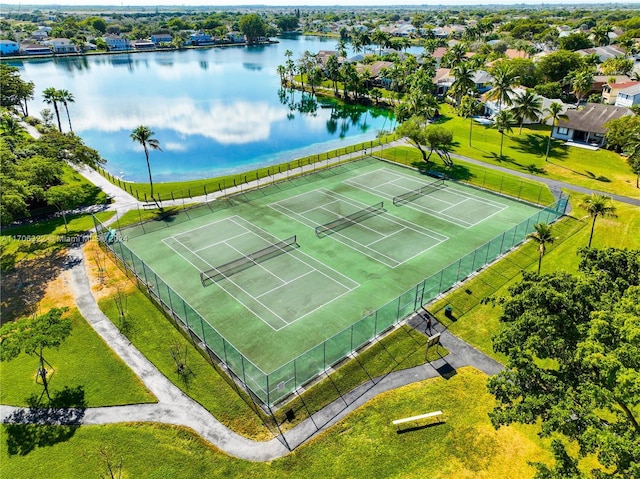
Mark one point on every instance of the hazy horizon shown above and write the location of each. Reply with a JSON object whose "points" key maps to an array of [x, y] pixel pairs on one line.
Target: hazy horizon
{"points": [[305, 3]]}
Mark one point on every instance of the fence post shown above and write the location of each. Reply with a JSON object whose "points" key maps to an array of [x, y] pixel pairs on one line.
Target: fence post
{"points": [[145, 197]]}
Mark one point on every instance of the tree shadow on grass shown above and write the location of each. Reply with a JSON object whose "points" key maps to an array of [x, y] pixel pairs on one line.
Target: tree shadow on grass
{"points": [[45, 423], [24, 282], [536, 144]]}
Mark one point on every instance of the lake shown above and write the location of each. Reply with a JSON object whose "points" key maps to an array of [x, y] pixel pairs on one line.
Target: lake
{"points": [[215, 111]]}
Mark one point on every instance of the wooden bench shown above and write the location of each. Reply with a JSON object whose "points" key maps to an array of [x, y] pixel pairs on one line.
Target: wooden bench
{"points": [[434, 414]]}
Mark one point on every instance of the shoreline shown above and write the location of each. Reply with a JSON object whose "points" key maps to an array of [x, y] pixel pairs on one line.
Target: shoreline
{"points": [[120, 52]]}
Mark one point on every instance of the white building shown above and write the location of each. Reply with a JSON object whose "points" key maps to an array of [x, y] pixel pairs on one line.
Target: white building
{"points": [[116, 43], [628, 97]]}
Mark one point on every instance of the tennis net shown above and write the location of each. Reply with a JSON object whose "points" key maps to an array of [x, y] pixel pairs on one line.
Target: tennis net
{"points": [[245, 262], [412, 195], [349, 220]]}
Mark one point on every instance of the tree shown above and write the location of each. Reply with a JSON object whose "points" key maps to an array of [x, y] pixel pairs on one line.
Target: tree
{"points": [[252, 26], [414, 130], [542, 235], [144, 136], [502, 122], [333, 72], [454, 56], [581, 83], [503, 80], [66, 97], [469, 107], [526, 107], [380, 38], [554, 113], [33, 336], [575, 41], [597, 205], [63, 197], [601, 34], [15, 92], [557, 65], [439, 140], [51, 97], [464, 83], [616, 66], [572, 362]]}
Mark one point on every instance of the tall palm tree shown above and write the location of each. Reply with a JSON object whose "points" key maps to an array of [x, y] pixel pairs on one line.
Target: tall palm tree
{"points": [[144, 136], [601, 34], [597, 205], [527, 107], [51, 97], [553, 112], [66, 97], [543, 235], [504, 78], [469, 106], [463, 83], [502, 122], [380, 38], [454, 56]]}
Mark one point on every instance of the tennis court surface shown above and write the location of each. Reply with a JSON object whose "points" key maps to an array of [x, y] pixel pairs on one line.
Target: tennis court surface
{"points": [[282, 282]]}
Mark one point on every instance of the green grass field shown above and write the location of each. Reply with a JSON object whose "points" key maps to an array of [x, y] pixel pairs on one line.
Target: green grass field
{"points": [[364, 445], [109, 383]]}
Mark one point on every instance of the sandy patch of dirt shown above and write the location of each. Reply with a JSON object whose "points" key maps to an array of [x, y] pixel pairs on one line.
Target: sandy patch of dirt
{"points": [[58, 293], [104, 274]]}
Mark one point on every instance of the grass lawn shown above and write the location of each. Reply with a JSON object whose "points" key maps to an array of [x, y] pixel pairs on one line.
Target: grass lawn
{"points": [[363, 445], [83, 360], [476, 323], [601, 170]]}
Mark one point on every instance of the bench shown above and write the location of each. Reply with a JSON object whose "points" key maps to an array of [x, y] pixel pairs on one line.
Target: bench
{"points": [[436, 174], [434, 414]]}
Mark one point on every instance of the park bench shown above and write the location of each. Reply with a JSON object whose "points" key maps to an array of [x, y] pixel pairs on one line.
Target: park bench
{"points": [[435, 414]]}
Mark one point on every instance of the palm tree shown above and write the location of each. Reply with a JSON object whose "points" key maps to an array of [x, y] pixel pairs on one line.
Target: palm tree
{"points": [[144, 136], [51, 97], [469, 106], [601, 34], [554, 112], [464, 82], [597, 205], [502, 122], [503, 80], [380, 38], [66, 97], [333, 72], [527, 107], [581, 83], [10, 126], [454, 56], [542, 235]]}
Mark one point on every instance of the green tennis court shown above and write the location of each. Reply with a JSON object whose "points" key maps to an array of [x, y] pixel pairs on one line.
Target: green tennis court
{"points": [[285, 272]]}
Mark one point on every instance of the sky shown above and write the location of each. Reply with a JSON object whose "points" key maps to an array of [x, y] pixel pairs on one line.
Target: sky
{"points": [[360, 3]]}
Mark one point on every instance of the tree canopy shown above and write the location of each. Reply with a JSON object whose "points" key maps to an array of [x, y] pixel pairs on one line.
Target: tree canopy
{"points": [[252, 26], [573, 362]]}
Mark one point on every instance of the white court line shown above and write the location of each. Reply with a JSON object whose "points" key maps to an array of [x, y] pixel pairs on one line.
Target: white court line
{"points": [[213, 244], [199, 227], [259, 265], [285, 283]]}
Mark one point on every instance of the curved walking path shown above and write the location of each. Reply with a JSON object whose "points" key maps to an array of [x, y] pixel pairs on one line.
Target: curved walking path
{"points": [[176, 408]]}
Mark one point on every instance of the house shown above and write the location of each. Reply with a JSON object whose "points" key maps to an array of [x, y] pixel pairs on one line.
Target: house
{"points": [[599, 81], [61, 45], [610, 91], [142, 44], [236, 37], [40, 35], [604, 53], [8, 47], [35, 49], [514, 53], [116, 43], [443, 81], [491, 106], [158, 38], [587, 125], [201, 38], [483, 81], [629, 97], [376, 70]]}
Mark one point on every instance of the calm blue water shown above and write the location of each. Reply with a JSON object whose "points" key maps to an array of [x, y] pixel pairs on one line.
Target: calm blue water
{"points": [[214, 111]]}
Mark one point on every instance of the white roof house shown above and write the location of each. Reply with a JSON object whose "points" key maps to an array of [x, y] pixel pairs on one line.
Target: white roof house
{"points": [[629, 96]]}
